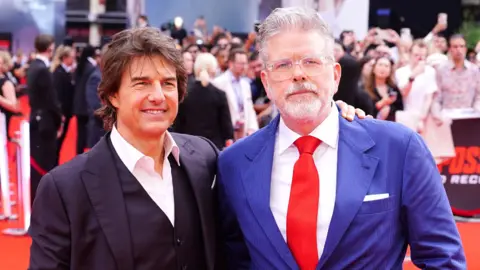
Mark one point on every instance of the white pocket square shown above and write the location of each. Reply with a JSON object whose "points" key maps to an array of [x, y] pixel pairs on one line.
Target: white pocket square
{"points": [[214, 180], [375, 197]]}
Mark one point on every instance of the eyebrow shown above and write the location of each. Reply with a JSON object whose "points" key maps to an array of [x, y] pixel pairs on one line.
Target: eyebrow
{"points": [[147, 78]]}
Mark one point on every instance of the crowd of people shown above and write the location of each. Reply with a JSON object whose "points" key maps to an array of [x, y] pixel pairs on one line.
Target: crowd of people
{"points": [[390, 76], [226, 88]]}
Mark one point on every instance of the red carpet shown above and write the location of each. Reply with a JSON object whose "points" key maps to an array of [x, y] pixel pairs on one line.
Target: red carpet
{"points": [[14, 251]]}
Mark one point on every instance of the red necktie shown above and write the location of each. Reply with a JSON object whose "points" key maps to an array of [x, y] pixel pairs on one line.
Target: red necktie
{"points": [[303, 206]]}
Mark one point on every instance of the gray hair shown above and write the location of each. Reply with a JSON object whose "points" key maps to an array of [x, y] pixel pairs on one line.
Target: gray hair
{"points": [[301, 18]]}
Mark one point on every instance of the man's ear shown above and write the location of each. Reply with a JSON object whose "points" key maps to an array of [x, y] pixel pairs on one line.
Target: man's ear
{"points": [[263, 77], [337, 74], [114, 101]]}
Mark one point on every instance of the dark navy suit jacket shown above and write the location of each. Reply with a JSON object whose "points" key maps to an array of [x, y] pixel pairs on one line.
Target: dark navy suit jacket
{"points": [[79, 220], [374, 157]]}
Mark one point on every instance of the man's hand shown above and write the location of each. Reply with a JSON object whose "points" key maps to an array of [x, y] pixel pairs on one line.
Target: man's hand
{"points": [[348, 112]]}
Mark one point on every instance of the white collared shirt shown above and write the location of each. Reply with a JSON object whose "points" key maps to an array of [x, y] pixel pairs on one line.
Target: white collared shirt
{"points": [[67, 68], [325, 157], [44, 59], [160, 189]]}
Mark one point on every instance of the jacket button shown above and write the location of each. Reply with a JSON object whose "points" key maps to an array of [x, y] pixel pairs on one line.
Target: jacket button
{"points": [[179, 242]]}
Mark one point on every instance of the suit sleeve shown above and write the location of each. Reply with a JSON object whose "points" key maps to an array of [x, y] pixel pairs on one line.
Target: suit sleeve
{"points": [[432, 233], [49, 229], [234, 250]]}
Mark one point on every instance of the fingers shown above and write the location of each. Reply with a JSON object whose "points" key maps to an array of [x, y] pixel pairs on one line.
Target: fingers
{"points": [[350, 112], [360, 113]]}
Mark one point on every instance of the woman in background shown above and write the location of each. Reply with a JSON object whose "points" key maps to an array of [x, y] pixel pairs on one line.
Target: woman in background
{"points": [[382, 89], [8, 99], [205, 112]]}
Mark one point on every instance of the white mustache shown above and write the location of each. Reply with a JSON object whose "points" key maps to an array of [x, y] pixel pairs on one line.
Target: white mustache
{"points": [[295, 87]]}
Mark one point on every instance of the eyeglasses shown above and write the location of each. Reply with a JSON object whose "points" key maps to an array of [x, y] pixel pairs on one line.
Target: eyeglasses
{"points": [[282, 70]]}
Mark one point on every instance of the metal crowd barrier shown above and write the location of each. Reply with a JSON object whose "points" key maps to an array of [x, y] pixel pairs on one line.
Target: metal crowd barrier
{"points": [[22, 142]]}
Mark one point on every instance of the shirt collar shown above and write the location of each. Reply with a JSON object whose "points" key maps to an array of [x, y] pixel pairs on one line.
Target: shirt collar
{"points": [[44, 59], [130, 155], [466, 64], [327, 132], [232, 77], [67, 68]]}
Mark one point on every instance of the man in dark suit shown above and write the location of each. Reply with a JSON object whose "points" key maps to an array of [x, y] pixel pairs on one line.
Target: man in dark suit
{"points": [[63, 83], [95, 123], [45, 115], [313, 191], [86, 66], [142, 198]]}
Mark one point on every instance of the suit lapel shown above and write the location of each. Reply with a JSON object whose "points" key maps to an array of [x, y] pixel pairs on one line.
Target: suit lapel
{"points": [[101, 181], [355, 171], [257, 180], [196, 168]]}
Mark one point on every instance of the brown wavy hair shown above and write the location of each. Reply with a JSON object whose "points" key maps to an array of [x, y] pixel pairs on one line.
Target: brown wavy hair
{"points": [[120, 52], [370, 82]]}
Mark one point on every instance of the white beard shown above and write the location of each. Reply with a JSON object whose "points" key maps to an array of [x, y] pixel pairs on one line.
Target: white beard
{"points": [[304, 109]]}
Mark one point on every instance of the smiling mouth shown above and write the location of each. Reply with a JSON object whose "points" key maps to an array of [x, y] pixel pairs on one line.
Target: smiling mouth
{"points": [[154, 112]]}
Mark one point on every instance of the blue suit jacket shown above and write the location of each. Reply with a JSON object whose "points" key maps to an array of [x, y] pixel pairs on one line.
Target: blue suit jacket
{"points": [[374, 157]]}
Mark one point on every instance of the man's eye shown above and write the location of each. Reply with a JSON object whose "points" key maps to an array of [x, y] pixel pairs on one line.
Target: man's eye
{"points": [[140, 83]]}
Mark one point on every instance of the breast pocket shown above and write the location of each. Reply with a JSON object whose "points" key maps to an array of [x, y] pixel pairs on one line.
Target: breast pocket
{"points": [[377, 206]]}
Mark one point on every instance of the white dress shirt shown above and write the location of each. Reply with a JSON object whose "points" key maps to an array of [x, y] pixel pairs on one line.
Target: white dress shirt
{"points": [[325, 157], [424, 84], [160, 189]]}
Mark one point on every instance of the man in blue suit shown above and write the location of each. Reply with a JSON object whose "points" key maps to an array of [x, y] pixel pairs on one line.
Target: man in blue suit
{"points": [[314, 191]]}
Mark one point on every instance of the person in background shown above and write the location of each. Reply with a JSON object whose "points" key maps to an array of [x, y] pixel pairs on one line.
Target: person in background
{"points": [[62, 66], [366, 65], [458, 81], [417, 83], [86, 66], [142, 21], [188, 62], [222, 58], [95, 130], [348, 90], [205, 112], [239, 94], [383, 91], [259, 96], [314, 191], [45, 112], [8, 100]]}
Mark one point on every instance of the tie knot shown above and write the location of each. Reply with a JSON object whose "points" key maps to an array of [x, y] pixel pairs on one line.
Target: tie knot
{"points": [[307, 144]]}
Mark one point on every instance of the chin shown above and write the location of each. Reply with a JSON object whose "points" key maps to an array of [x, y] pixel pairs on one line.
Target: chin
{"points": [[156, 129], [303, 112]]}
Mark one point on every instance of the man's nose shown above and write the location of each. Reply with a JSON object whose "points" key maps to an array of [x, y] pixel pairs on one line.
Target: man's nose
{"points": [[298, 73], [157, 95]]}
